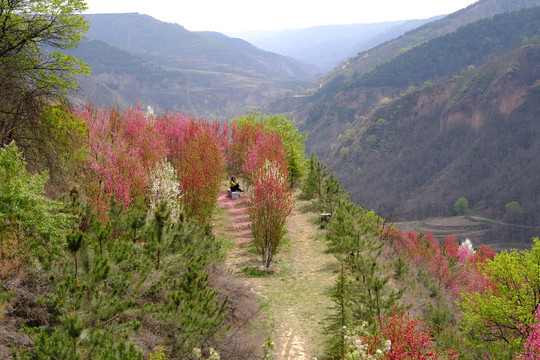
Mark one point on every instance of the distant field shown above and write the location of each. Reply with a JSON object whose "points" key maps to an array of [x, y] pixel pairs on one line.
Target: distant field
{"points": [[479, 230]]}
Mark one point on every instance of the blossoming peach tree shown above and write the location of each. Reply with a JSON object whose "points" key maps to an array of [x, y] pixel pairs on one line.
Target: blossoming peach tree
{"points": [[269, 208]]}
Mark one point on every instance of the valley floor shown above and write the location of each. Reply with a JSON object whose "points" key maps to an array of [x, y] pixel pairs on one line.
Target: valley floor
{"points": [[295, 294], [480, 230]]}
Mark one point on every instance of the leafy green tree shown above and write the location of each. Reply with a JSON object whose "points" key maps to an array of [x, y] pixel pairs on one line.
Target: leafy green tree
{"points": [[30, 35], [54, 141], [513, 211], [499, 317], [294, 143], [461, 206], [34, 71]]}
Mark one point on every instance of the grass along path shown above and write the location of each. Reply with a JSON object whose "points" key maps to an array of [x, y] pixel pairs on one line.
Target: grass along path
{"points": [[296, 291]]}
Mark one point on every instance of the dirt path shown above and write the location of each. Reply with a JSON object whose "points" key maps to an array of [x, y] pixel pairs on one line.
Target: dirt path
{"points": [[296, 293]]}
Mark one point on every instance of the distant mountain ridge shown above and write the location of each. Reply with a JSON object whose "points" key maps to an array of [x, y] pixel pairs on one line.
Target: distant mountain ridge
{"points": [[326, 46], [137, 58], [367, 60], [142, 33]]}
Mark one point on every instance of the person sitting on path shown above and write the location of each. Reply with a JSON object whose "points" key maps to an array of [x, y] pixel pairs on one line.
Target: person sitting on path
{"points": [[235, 186]]}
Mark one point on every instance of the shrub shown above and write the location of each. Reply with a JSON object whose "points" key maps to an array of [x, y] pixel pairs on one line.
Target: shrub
{"points": [[461, 206], [30, 223]]}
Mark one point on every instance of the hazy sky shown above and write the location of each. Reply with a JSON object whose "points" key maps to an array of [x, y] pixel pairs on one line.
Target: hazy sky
{"points": [[229, 16]]}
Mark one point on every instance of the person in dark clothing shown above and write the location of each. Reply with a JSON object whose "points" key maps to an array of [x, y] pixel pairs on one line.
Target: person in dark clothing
{"points": [[235, 186]]}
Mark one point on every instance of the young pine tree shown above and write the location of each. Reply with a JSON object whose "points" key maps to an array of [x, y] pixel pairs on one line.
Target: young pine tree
{"points": [[340, 318], [317, 172], [353, 238], [332, 195], [194, 309]]}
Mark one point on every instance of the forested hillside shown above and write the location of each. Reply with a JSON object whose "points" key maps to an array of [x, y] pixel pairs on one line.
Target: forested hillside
{"points": [[472, 137], [483, 9], [446, 55], [418, 132]]}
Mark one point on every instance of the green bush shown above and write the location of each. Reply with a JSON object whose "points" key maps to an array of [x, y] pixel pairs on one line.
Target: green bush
{"points": [[461, 206], [31, 223]]}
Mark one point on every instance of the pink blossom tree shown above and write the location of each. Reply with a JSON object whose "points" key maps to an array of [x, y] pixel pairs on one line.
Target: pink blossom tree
{"points": [[123, 148], [531, 348], [196, 149], [269, 208]]}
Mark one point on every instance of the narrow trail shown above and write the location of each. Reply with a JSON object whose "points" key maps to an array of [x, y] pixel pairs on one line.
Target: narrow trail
{"points": [[297, 292]]}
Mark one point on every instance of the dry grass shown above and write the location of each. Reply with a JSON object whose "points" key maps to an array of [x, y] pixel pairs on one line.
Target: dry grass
{"points": [[245, 332], [12, 258]]}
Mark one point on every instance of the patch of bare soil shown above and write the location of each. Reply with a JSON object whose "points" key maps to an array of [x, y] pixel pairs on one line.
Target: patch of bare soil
{"points": [[22, 309], [296, 292], [460, 227]]}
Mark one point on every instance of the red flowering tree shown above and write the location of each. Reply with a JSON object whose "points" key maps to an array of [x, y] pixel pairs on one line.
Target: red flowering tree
{"points": [[447, 263], [531, 348], [451, 247], [245, 133], [196, 149], [440, 269], [269, 208], [409, 339], [267, 147], [123, 149]]}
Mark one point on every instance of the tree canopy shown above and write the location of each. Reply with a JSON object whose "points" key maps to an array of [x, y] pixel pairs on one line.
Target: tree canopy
{"points": [[31, 36], [501, 314], [253, 125], [34, 72]]}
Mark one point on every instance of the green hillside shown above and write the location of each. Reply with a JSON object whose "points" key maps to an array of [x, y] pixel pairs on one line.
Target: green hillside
{"points": [[446, 55], [474, 137]]}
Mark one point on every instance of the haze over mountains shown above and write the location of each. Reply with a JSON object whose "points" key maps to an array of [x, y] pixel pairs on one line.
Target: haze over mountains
{"points": [[444, 110], [327, 46]]}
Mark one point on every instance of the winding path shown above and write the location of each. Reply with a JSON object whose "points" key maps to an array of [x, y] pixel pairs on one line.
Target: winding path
{"points": [[297, 293]]}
